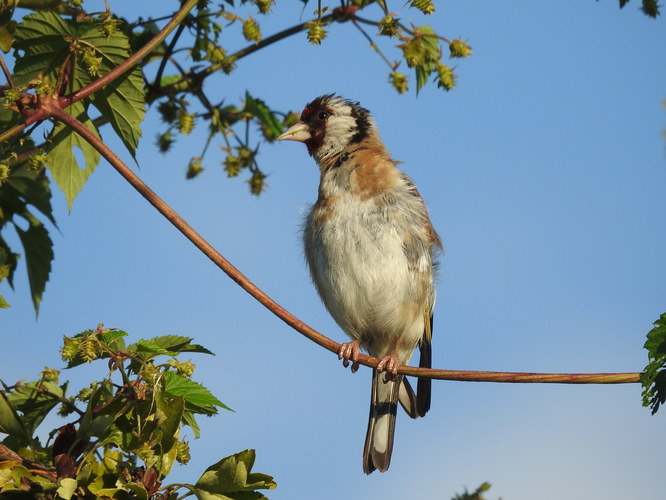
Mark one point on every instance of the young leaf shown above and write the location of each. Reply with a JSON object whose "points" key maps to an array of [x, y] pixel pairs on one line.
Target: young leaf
{"points": [[38, 256], [266, 117], [188, 418], [195, 394], [62, 163], [231, 477], [151, 349], [179, 344], [67, 488]]}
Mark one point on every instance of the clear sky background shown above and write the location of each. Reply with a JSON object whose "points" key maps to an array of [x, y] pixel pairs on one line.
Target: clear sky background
{"points": [[545, 175]]}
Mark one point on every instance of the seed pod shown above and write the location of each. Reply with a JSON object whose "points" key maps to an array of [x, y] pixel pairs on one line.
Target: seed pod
{"points": [[251, 30], [425, 6], [185, 122], [399, 81], [232, 165], [257, 183], [446, 78], [194, 168], [316, 32], [264, 6], [388, 26], [458, 48]]}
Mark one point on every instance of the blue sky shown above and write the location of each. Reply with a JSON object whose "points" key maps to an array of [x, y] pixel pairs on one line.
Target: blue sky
{"points": [[544, 172]]}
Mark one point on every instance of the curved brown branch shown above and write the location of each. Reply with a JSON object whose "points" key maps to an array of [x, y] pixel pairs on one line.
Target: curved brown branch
{"points": [[293, 321], [130, 62]]}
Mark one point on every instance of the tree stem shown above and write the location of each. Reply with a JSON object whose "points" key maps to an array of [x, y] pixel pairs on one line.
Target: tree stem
{"points": [[297, 324]]}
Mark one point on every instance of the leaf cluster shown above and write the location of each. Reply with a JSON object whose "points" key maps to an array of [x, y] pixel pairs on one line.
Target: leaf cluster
{"points": [[126, 431], [475, 495], [649, 7], [63, 50], [25, 204], [653, 378]]}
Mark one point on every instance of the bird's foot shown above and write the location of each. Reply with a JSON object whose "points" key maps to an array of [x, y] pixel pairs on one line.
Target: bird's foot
{"points": [[389, 365], [349, 352]]}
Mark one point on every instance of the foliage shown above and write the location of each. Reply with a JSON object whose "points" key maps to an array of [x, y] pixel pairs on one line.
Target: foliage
{"points": [[653, 377], [70, 59], [475, 495], [649, 7], [125, 435]]}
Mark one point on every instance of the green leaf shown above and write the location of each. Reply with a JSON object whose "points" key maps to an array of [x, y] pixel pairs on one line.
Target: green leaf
{"points": [[7, 36], [34, 404], [653, 378], [188, 418], [422, 73], [169, 345], [3, 303], [38, 256], [28, 186], [266, 117], [650, 8], [10, 422], [123, 103], [432, 54], [67, 488], [195, 394], [49, 42], [151, 348], [62, 163], [43, 39], [231, 477], [173, 411], [9, 258], [139, 492]]}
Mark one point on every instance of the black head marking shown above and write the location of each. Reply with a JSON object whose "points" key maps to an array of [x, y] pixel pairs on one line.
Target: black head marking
{"points": [[314, 115], [362, 117]]}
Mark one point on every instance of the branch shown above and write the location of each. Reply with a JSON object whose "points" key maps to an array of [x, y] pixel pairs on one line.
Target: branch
{"points": [[293, 321], [129, 63], [246, 51], [7, 454]]}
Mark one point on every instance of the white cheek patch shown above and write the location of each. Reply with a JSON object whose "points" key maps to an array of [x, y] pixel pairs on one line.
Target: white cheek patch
{"points": [[340, 128]]}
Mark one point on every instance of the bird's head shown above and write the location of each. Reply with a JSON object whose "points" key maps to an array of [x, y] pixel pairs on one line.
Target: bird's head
{"points": [[329, 125]]}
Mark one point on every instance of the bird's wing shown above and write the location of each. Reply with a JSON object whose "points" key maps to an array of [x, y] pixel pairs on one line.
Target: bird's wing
{"points": [[423, 386]]}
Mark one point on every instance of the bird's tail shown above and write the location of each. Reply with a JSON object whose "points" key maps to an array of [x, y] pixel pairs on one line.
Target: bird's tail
{"points": [[381, 425]]}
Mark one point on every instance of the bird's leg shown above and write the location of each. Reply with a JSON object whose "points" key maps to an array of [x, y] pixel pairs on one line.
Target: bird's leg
{"points": [[390, 363], [349, 351]]}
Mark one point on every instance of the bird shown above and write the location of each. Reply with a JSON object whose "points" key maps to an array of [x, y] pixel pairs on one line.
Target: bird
{"points": [[373, 255]]}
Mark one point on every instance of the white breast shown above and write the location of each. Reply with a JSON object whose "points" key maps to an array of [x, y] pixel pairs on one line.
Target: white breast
{"points": [[360, 267]]}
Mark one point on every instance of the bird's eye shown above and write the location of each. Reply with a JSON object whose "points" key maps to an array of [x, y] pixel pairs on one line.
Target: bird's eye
{"points": [[323, 115]]}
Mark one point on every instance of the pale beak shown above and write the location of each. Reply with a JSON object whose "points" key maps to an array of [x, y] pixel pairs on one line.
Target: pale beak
{"points": [[299, 132]]}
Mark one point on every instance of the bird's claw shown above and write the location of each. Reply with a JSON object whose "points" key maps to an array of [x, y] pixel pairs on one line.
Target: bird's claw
{"points": [[349, 352], [389, 365]]}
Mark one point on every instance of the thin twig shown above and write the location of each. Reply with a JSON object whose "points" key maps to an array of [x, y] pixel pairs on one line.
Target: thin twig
{"points": [[293, 321], [167, 55], [373, 45]]}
